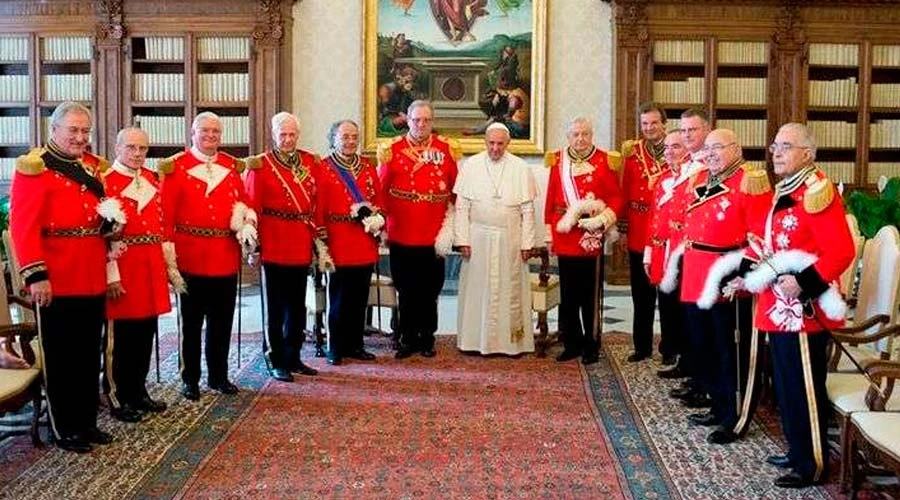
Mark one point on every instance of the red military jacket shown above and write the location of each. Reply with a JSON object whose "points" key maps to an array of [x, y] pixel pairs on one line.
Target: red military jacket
{"points": [[640, 173], [54, 223], [717, 222], [592, 179], [141, 268], [284, 198], [348, 242], [667, 220], [198, 201], [806, 214], [418, 186]]}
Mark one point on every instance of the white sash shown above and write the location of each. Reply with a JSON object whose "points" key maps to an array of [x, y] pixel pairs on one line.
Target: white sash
{"points": [[568, 180]]}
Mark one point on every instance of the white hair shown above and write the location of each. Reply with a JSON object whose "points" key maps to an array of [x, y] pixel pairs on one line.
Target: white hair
{"points": [[579, 120], [498, 126], [120, 137], [806, 137], [280, 119], [67, 107], [206, 115]]}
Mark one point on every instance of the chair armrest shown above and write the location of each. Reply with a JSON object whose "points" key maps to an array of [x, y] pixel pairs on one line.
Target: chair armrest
{"points": [[864, 325], [883, 374], [863, 338], [24, 333]]}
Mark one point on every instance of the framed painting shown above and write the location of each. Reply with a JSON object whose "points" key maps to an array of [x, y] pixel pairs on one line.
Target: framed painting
{"points": [[477, 61]]}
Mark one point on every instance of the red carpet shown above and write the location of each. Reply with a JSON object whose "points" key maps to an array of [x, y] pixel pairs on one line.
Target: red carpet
{"points": [[454, 426]]}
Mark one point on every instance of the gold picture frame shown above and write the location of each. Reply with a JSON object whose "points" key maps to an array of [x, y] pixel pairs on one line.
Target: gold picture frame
{"points": [[456, 54]]}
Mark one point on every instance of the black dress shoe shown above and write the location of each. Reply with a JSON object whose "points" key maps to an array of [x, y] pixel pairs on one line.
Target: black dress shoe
{"points": [[795, 480], [404, 352], [780, 461], [682, 392], [126, 413], [429, 352], [96, 436], [568, 355], [281, 374], [721, 435], [669, 359], [671, 373], [225, 387], [589, 359], [704, 419], [190, 391], [146, 403], [697, 400], [303, 369], [362, 355], [637, 356], [75, 444]]}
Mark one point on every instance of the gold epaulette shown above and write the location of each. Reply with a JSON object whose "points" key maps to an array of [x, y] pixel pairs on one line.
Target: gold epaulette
{"points": [[254, 162], [167, 165], [31, 163], [628, 147], [240, 165], [455, 147], [102, 165], [550, 158], [819, 194], [383, 152], [614, 158], [755, 180]]}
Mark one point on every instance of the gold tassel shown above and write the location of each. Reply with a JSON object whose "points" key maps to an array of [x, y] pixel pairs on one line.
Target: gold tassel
{"points": [[755, 181], [254, 162], [628, 147], [167, 165], [102, 165], [550, 158], [614, 158], [31, 163], [240, 165], [383, 153], [819, 194]]}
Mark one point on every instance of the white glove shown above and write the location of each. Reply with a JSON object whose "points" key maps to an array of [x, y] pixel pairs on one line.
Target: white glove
{"points": [[594, 223], [248, 238], [373, 224]]}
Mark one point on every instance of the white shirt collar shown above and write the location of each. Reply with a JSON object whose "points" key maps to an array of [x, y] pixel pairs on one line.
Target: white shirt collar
{"points": [[125, 169], [200, 156]]}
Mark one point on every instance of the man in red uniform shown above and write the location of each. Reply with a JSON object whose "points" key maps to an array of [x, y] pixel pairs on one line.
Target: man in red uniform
{"points": [[667, 223], [804, 236], [583, 199], [644, 164], [694, 129], [58, 233], [719, 214], [206, 219], [282, 188], [137, 290], [348, 215], [417, 173]]}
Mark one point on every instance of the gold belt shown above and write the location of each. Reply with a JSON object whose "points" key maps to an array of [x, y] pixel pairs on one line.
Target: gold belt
{"points": [[417, 197], [142, 239], [204, 232], [340, 218], [293, 216], [639, 206], [71, 232]]}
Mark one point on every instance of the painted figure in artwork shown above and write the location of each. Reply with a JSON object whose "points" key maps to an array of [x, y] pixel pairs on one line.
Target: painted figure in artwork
{"points": [[456, 17]]}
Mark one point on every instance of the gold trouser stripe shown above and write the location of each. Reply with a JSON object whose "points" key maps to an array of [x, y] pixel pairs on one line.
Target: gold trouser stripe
{"points": [[108, 364], [180, 305], [812, 407], [744, 418], [37, 319]]}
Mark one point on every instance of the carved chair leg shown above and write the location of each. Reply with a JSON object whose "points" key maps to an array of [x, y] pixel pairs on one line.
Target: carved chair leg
{"points": [[847, 453]]}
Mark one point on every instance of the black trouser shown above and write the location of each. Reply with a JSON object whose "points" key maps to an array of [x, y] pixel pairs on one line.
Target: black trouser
{"points": [[210, 298], [800, 365], [643, 296], [129, 345], [578, 300], [418, 275], [713, 344], [348, 293], [70, 332], [286, 298], [673, 339]]}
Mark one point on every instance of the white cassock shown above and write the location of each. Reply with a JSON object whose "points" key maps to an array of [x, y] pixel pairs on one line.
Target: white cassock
{"points": [[495, 217]]}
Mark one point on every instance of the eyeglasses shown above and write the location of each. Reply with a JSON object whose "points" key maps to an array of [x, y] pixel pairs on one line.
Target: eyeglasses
{"points": [[784, 147], [717, 147]]}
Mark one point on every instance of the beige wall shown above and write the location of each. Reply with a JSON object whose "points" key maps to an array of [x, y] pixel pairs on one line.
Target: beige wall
{"points": [[328, 67]]}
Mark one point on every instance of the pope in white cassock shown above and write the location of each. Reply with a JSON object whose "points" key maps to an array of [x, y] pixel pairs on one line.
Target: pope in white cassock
{"points": [[494, 229]]}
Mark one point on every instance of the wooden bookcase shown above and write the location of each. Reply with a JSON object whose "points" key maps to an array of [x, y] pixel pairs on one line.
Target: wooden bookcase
{"points": [[152, 63], [753, 66]]}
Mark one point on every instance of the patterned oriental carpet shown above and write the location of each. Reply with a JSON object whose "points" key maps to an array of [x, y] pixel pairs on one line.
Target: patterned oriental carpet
{"points": [[455, 426]]}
